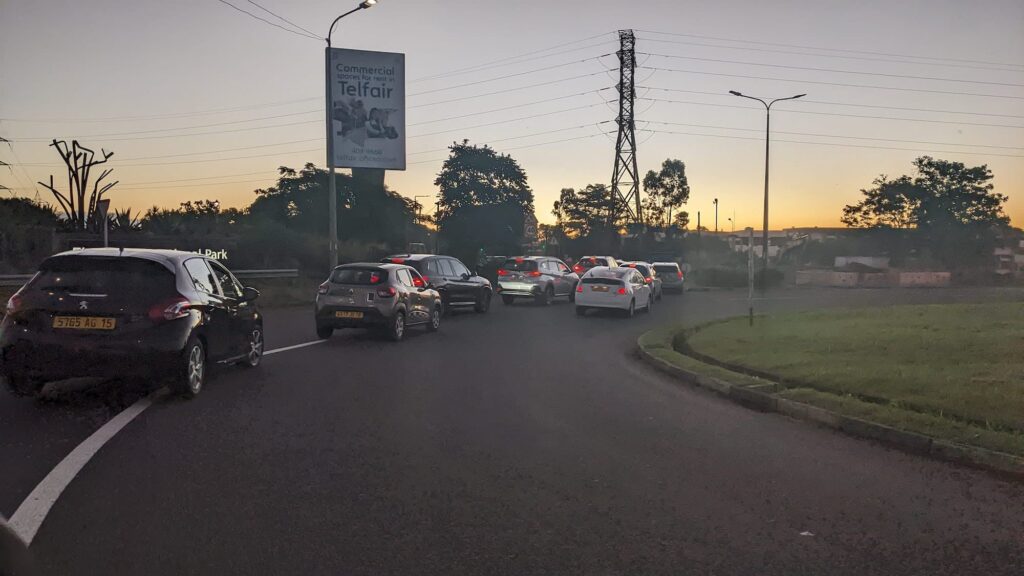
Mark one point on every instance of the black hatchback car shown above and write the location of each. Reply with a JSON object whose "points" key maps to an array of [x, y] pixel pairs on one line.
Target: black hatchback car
{"points": [[113, 312], [451, 278]]}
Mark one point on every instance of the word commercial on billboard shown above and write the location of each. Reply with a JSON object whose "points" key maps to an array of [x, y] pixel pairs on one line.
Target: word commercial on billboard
{"points": [[367, 109]]}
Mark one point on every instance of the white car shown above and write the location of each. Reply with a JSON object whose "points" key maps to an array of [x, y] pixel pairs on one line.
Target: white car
{"points": [[650, 275], [616, 288]]}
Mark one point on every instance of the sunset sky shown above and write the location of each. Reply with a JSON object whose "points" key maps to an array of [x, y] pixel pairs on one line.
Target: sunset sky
{"points": [[199, 100]]}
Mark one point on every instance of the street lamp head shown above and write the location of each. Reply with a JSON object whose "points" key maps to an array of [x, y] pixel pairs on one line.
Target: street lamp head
{"points": [[735, 93], [799, 96], [367, 3]]}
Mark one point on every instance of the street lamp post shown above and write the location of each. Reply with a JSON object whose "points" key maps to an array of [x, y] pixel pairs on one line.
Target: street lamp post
{"points": [[767, 135], [332, 189], [716, 215]]}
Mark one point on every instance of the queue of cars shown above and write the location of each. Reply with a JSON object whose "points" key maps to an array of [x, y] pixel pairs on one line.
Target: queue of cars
{"points": [[123, 313]]}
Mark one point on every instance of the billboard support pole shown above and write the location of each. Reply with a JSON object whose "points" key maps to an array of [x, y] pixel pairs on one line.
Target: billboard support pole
{"points": [[332, 186]]}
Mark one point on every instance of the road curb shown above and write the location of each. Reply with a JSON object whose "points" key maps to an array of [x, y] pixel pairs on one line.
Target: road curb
{"points": [[764, 399]]}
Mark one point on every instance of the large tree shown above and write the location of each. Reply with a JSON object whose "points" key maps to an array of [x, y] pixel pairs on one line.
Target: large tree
{"points": [[483, 200], [585, 212], [667, 190], [947, 209]]}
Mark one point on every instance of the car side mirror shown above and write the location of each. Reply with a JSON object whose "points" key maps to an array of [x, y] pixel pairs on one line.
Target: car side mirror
{"points": [[467, 275], [249, 294]]}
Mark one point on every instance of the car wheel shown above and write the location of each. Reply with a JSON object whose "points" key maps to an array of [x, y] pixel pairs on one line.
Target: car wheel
{"points": [[545, 297], [581, 310], [397, 329], [22, 385], [255, 352], [632, 309], [483, 303], [192, 372], [435, 319], [507, 299], [323, 332]]}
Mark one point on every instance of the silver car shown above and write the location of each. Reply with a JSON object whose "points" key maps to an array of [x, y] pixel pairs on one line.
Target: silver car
{"points": [[650, 274], [369, 295], [541, 278], [671, 276]]}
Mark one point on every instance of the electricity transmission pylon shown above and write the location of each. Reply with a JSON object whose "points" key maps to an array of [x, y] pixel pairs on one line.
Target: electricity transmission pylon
{"points": [[625, 177]]}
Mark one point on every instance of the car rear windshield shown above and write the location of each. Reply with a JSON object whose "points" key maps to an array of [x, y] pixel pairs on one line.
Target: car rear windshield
{"points": [[518, 265], [666, 269], [359, 276], [591, 262], [104, 275]]}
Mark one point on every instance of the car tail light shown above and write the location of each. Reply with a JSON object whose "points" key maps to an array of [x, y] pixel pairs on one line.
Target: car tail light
{"points": [[648, 280], [14, 304], [426, 279], [631, 265], [323, 288], [579, 288], [680, 274], [622, 291], [375, 278], [398, 260], [386, 292], [577, 268], [418, 282], [519, 260], [177, 307], [535, 273], [502, 272]]}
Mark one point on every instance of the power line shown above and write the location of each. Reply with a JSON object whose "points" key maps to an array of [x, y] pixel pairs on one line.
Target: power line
{"points": [[788, 111], [511, 107], [837, 56], [319, 121], [137, 188], [804, 47], [835, 144], [832, 103], [833, 70], [846, 85], [506, 90], [517, 62], [506, 121], [223, 150], [204, 178], [479, 66], [162, 116], [839, 136], [297, 33], [527, 146], [534, 71], [282, 18], [162, 130], [490, 141]]}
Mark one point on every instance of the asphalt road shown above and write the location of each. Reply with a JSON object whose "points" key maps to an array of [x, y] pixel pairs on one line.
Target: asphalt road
{"points": [[524, 441]]}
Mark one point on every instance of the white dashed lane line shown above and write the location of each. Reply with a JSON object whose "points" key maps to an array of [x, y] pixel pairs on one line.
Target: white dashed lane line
{"points": [[32, 512]]}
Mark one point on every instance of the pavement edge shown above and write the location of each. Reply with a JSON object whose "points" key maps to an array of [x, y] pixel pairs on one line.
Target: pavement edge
{"points": [[764, 399]]}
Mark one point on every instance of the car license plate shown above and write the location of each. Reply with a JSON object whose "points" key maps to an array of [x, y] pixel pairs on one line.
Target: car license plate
{"points": [[355, 315], [84, 322], [599, 288]]}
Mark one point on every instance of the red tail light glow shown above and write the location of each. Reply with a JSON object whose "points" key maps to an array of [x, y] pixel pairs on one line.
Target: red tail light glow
{"points": [[14, 304], [418, 282], [172, 309], [579, 288], [648, 280], [577, 268], [632, 265], [375, 278], [535, 273], [323, 288], [386, 292], [397, 260], [502, 272], [426, 279], [622, 291], [680, 274]]}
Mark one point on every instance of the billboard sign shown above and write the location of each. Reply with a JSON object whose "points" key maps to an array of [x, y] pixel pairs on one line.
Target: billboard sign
{"points": [[367, 109]]}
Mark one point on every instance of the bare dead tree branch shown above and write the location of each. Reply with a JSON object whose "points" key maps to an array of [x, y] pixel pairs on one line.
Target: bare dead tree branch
{"points": [[80, 203]]}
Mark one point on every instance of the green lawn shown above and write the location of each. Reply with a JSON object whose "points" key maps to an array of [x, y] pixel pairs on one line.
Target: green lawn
{"points": [[963, 362]]}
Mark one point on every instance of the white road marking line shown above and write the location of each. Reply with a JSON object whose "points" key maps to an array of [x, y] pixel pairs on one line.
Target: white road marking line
{"points": [[30, 514], [286, 348]]}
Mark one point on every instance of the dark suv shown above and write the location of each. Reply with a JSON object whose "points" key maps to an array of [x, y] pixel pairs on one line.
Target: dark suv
{"points": [[449, 276], [128, 312]]}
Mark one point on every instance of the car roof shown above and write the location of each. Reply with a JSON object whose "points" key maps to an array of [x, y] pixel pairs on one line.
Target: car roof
{"points": [[607, 272], [534, 258], [379, 265], [676, 264], [599, 256], [416, 257], [168, 258]]}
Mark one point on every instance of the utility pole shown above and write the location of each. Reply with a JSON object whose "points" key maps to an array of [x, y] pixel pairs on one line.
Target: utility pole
{"points": [[625, 173], [716, 215]]}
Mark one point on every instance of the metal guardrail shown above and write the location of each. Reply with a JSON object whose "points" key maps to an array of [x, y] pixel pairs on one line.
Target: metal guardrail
{"points": [[14, 279], [267, 274], [19, 279]]}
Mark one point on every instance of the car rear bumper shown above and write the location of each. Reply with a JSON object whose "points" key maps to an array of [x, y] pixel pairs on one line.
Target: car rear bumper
{"points": [[617, 304], [518, 289]]}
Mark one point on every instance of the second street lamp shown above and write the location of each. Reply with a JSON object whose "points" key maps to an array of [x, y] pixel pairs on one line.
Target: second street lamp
{"points": [[332, 187], [767, 135]]}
